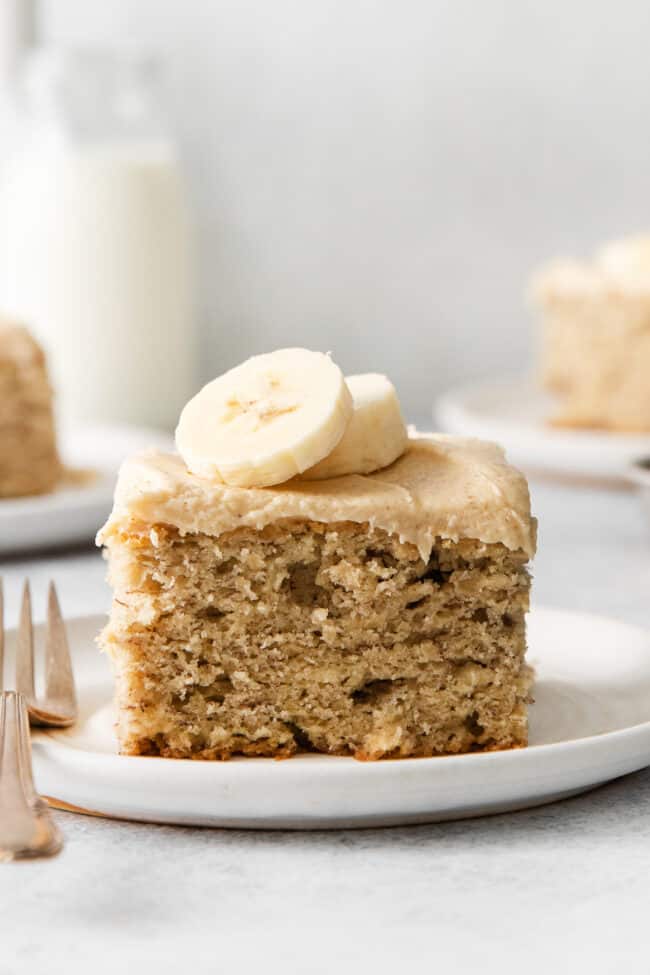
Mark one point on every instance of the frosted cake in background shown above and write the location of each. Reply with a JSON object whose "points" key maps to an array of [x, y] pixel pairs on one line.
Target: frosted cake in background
{"points": [[29, 461], [595, 341]]}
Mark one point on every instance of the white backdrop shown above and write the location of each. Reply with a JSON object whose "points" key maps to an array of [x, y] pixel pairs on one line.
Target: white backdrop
{"points": [[377, 178]]}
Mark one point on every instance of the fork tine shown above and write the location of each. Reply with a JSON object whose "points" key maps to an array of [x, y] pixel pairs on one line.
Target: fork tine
{"points": [[25, 648], [59, 676], [2, 636]]}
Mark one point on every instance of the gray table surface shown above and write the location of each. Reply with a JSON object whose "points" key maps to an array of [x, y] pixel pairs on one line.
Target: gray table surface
{"points": [[559, 888]]}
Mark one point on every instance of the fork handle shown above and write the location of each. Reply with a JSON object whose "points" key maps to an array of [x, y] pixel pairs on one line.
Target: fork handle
{"points": [[26, 826]]}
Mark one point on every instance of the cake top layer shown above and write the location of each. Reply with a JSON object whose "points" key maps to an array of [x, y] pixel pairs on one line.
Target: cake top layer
{"points": [[17, 345], [441, 486], [620, 268]]}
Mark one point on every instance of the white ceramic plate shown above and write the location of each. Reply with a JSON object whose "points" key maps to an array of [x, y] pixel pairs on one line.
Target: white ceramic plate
{"points": [[73, 512], [590, 723], [514, 413]]}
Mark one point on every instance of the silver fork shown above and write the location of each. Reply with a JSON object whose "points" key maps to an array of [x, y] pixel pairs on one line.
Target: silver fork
{"points": [[26, 826], [58, 707]]}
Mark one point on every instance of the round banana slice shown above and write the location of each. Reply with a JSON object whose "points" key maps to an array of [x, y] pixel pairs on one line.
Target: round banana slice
{"points": [[267, 420], [376, 435]]}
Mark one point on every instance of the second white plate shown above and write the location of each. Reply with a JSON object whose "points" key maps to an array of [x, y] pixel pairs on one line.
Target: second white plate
{"points": [[590, 723], [515, 412]]}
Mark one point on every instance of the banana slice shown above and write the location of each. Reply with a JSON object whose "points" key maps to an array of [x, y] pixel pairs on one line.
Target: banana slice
{"points": [[267, 420], [376, 435]]}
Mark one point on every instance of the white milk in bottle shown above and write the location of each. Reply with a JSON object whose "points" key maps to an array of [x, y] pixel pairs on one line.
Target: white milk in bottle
{"points": [[95, 250]]}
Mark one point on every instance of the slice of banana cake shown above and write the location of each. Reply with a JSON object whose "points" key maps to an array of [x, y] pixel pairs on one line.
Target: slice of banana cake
{"points": [[29, 461], [379, 615], [595, 332]]}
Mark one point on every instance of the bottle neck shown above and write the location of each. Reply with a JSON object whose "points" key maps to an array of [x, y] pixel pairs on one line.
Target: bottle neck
{"points": [[93, 97]]}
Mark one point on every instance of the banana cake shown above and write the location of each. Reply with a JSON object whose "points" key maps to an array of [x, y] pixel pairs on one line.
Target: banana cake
{"points": [[596, 336], [29, 461], [379, 613]]}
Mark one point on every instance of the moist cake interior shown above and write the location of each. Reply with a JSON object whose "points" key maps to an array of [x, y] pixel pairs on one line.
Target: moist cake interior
{"points": [[305, 635]]}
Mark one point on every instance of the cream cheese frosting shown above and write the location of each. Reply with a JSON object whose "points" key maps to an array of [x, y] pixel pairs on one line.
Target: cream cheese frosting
{"points": [[441, 486]]}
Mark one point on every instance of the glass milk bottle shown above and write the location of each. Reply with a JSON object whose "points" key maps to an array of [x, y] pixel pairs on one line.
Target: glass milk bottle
{"points": [[95, 250]]}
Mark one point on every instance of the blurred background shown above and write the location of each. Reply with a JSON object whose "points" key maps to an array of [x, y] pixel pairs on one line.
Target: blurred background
{"points": [[378, 178]]}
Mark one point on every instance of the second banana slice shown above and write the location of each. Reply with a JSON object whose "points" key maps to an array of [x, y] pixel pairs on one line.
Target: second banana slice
{"points": [[375, 436]]}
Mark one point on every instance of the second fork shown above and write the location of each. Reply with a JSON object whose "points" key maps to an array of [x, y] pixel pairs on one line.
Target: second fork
{"points": [[57, 707]]}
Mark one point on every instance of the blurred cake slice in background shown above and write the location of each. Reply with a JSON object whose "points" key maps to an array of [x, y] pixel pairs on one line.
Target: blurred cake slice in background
{"points": [[29, 460], [596, 336]]}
